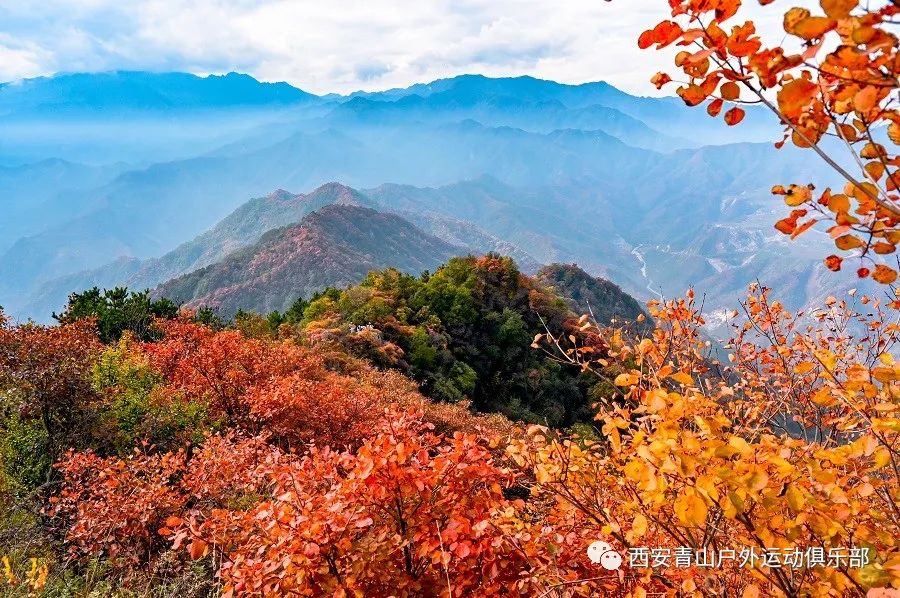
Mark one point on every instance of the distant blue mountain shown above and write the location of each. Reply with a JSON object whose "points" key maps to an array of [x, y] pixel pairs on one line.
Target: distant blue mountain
{"points": [[131, 91], [540, 116], [37, 195], [667, 115], [478, 87]]}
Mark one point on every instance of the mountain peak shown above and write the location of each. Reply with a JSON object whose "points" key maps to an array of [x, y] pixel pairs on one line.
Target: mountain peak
{"points": [[281, 195], [337, 245], [338, 193]]}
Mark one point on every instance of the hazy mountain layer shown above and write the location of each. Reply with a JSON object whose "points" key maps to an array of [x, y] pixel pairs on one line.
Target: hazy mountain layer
{"points": [[667, 115], [538, 170], [242, 227], [334, 246]]}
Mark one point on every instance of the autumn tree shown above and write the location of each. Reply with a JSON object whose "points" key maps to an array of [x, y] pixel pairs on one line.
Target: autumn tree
{"points": [[407, 514], [831, 82], [219, 367], [46, 395], [791, 445], [116, 506], [280, 412]]}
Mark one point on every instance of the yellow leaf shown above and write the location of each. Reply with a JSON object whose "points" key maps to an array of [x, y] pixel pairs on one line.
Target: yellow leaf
{"points": [[758, 480], [639, 526], [740, 444], [828, 359], [626, 379], [882, 457], [657, 400], [797, 195], [795, 498], [636, 470], [804, 367], [691, 509], [737, 501], [884, 374], [682, 378]]}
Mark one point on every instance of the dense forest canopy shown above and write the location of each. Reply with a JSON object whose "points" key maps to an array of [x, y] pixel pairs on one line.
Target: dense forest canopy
{"points": [[463, 332]]}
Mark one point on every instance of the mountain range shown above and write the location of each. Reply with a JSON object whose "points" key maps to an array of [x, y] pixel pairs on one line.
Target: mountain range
{"points": [[630, 188]]}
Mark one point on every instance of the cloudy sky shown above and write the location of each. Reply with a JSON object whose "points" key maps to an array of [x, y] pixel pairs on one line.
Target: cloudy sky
{"points": [[324, 45]]}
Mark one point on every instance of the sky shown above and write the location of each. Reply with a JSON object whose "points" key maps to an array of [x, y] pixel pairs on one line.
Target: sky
{"points": [[327, 46]]}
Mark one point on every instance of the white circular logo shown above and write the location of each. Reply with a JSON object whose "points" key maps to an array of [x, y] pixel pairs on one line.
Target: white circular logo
{"points": [[601, 553]]}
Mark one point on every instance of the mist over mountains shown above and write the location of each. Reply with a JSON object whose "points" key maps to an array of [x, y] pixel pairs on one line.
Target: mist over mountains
{"points": [[138, 178]]}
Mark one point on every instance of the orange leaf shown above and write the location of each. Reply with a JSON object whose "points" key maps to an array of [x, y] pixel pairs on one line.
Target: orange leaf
{"points": [[884, 274], [865, 99], [682, 378], [786, 226], [198, 549], [734, 116], [730, 90], [691, 94], [813, 27], [894, 132], [883, 248], [794, 96], [875, 170], [838, 9], [660, 79], [803, 228], [715, 107], [848, 242], [794, 16]]}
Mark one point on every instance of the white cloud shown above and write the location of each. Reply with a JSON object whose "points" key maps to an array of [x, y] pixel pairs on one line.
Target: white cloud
{"points": [[18, 61], [355, 44]]}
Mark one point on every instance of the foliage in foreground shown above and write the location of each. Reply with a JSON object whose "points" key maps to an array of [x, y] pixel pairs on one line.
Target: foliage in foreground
{"points": [[792, 445], [302, 479]]}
